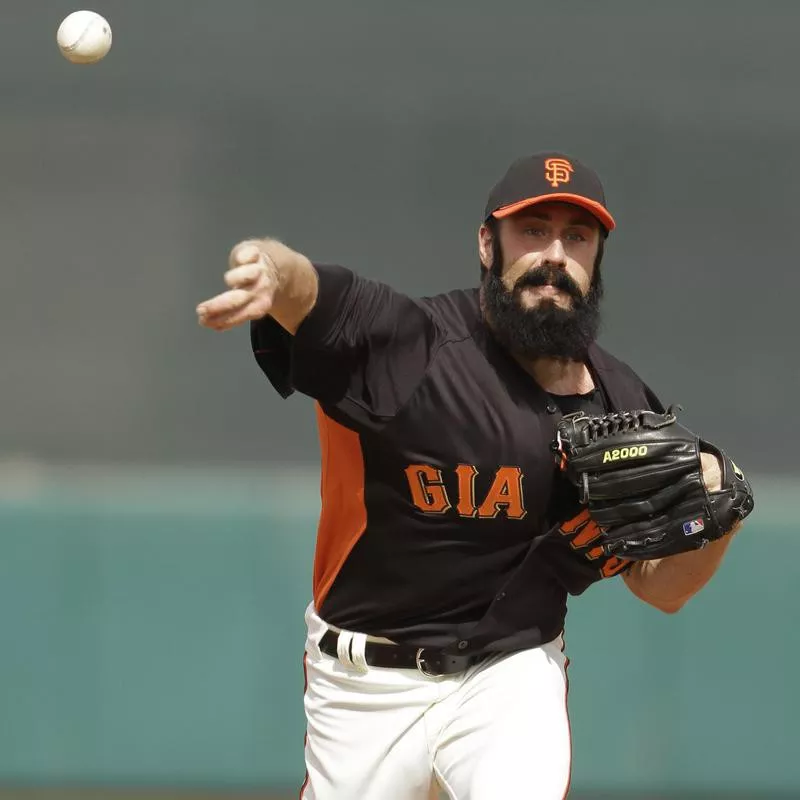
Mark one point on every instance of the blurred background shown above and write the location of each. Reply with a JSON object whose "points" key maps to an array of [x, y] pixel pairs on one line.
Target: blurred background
{"points": [[158, 501]]}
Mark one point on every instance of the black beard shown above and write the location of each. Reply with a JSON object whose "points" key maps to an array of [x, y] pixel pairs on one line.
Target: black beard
{"points": [[545, 331]]}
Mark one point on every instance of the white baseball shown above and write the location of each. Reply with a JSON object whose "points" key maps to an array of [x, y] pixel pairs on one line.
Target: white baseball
{"points": [[84, 37]]}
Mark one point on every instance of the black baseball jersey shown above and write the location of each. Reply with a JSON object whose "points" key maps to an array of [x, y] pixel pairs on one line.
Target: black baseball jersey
{"points": [[438, 484]]}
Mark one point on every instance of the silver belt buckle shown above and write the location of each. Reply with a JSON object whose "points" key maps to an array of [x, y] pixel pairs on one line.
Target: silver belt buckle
{"points": [[422, 667]]}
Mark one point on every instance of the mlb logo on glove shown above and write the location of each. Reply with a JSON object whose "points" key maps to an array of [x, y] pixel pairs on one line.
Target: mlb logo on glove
{"points": [[693, 526]]}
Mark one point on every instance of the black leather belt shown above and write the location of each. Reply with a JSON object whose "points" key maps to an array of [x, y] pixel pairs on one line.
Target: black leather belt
{"points": [[430, 661]]}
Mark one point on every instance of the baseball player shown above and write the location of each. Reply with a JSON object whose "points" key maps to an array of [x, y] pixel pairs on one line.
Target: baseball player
{"points": [[449, 540]]}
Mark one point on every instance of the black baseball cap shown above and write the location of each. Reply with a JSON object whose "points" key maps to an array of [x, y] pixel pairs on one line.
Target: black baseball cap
{"points": [[548, 177]]}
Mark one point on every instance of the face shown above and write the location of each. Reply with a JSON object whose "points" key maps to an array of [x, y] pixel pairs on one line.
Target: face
{"points": [[541, 285]]}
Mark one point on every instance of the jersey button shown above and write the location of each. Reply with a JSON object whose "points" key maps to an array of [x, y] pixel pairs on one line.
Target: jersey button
{"points": [[463, 644], [552, 408]]}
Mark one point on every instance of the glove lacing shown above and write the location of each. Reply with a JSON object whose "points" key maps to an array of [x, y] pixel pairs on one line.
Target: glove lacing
{"points": [[611, 424]]}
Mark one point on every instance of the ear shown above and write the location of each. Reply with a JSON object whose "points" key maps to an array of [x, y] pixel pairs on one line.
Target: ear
{"points": [[485, 241]]}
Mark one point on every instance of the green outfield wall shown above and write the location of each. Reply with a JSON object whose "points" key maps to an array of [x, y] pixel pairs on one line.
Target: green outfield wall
{"points": [[152, 634]]}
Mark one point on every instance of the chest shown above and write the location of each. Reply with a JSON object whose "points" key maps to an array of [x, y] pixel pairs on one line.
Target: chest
{"points": [[473, 441]]}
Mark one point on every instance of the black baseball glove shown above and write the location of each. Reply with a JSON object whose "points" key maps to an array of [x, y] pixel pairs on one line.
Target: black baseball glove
{"points": [[640, 474]]}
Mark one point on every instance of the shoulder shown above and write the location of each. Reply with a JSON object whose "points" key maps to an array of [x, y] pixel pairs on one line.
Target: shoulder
{"points": [[623, 384], [456, 312], [603, 361]]}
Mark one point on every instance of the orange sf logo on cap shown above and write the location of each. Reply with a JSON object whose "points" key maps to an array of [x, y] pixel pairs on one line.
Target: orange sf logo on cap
{"points": [[557, 170]]}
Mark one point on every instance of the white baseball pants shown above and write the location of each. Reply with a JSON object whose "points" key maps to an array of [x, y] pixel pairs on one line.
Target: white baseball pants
{"points": [[499, 731]]}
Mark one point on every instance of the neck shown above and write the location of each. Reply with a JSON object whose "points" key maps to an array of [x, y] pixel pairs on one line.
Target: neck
{"points": [[559, 376]]}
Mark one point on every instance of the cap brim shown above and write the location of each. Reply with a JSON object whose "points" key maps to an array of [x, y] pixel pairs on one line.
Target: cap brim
{"points": [[592, 206]]}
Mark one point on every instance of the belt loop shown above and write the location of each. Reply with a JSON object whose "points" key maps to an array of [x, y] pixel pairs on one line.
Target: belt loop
{"points": [[343, 648], [358, 652]]}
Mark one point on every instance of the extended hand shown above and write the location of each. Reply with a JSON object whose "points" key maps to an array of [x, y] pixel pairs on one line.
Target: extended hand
{"points": [[252, 278]]}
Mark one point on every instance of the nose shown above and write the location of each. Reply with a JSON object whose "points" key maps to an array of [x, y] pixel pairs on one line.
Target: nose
{"points": [[554, 255]]}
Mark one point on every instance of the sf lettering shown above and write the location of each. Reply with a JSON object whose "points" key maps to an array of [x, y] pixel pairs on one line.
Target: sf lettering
{"points": [[429, 493]]}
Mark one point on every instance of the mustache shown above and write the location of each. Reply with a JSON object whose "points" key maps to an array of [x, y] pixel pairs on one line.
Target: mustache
{"points": [[549, 276]]}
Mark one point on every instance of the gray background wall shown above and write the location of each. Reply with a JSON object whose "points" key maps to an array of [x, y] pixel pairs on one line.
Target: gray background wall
{"points": [[145, 541], [369, 133]]}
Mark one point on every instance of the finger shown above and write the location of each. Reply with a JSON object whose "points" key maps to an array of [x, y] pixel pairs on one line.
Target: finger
{"points": [[224, 303], [244, 253], [240, 277], [224, 322], [712, 471]]}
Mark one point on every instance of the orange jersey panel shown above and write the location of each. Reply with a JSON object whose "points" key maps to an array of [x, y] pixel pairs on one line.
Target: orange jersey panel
{"points": [[343, 518]]}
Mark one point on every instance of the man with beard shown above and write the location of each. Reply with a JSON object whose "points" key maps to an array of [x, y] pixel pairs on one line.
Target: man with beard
{"points": [[446, 549]]}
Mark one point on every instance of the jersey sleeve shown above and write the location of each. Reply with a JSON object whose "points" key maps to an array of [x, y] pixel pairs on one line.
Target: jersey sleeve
{"points": [[362, 350]]}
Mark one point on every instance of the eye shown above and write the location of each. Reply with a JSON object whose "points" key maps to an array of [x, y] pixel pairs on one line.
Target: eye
{"points": [[533, 231], [574, 236]]}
